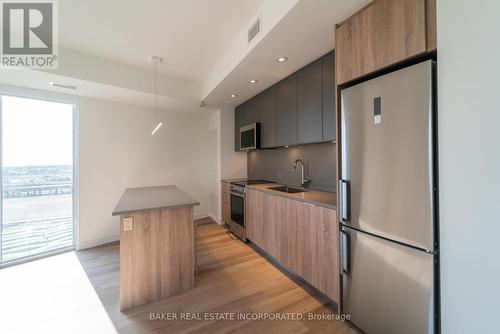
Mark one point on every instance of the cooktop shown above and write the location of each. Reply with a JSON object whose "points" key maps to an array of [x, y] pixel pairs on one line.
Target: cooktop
{"points": [[249, 182]]}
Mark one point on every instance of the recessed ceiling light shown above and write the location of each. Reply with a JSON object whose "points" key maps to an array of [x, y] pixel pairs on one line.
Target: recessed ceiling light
{"points": [[252, 81], [286, 145], [281, 59], [234, 96]]}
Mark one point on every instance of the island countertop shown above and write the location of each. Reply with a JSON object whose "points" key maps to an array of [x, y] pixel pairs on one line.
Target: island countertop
{"points": [[148, 198]]}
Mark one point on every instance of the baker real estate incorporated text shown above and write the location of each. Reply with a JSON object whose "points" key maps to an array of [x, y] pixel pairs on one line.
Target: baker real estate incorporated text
{"points": [[245, 316]]}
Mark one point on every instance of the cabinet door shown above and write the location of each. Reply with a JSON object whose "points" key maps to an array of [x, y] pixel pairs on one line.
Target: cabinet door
{"points": [[239, 121], [286, 226], [318, 248], [252, 110], [324, 241], [261, 220], [268, 118], [286, 111], [430, 19], [383, 33], [309, 103], [225, 202], [251, 210], [328, 69]]}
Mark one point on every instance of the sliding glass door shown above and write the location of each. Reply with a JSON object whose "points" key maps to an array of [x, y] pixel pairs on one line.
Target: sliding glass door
{"points": [[37, 177]]}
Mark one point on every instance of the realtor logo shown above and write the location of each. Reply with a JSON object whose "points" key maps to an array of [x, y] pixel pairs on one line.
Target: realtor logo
{"points": [[29, 36]]}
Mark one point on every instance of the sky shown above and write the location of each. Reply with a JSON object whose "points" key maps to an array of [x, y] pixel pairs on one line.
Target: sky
{"points": [[36, 132]]}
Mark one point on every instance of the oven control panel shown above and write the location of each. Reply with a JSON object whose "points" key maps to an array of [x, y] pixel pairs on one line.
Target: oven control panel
{"points": [[238, 189]]}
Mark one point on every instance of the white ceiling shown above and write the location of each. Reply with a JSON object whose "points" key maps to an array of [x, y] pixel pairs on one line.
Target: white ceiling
{"points": [[105, 48], [190, 35], [306, 33]]}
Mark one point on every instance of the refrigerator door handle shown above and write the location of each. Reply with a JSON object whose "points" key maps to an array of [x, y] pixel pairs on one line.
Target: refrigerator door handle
{"points": [[343, 201], [344, 243]]}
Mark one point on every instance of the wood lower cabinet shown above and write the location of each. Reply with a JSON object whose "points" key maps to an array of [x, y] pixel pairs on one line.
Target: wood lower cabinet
{"points": [[286, 225], [383, 33], [226, 204], [303, 237], [318, 248], [260, 210]]}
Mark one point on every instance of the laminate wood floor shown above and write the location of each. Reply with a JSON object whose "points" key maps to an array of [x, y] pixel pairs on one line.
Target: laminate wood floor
{"points": [[232, 279]]}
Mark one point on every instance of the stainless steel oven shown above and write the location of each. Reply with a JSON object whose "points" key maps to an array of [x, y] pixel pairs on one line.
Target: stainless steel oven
{"points": [[237, 203], [250, 136], [237, 222]]}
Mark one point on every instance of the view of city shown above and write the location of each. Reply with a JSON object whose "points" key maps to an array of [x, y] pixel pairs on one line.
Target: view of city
{"points": [[37, 210]]}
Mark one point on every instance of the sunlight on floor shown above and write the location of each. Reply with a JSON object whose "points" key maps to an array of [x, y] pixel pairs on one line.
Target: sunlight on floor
{"points": [[52, 295]]}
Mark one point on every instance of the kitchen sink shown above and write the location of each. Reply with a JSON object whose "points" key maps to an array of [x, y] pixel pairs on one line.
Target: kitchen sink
{"points": [[287, 189]]}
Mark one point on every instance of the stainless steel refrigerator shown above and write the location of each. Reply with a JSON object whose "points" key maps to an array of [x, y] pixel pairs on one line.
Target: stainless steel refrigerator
{"points": [[387, 202]]}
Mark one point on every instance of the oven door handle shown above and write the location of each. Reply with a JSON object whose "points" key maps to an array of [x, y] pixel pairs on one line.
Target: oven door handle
{"points": [[238, 194]]}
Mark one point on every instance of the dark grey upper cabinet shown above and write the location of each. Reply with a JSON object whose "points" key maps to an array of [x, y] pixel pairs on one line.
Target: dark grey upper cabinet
{"points": [[329, 125], [286, 111], [309, 103], [298, 110], [268, 118], [252, 110], [239, 121]]}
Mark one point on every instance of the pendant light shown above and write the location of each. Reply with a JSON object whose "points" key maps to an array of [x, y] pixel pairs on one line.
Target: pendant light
{"points": [[156, 60]]}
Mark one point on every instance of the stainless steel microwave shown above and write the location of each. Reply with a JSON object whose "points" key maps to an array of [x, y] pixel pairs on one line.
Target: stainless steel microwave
{"points": [[250, 136]]}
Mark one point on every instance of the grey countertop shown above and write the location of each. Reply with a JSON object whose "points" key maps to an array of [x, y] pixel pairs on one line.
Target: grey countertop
{"points": [[316, 197], [234, 180], [157, 197]]}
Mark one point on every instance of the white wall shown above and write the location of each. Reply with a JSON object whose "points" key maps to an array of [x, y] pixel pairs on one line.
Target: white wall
{"points": [[215, 166], [469, 146], [233, 164], [116, 151]]}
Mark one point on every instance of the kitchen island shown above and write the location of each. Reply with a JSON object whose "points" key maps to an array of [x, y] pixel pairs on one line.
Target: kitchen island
{"points": [[157, 244]]}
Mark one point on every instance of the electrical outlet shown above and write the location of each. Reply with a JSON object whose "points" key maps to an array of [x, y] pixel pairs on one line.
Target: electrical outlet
{"points": [[128, 224]]}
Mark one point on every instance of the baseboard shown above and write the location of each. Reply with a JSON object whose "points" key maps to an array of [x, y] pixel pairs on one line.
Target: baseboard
{"points": [[208, 215], [217, 220], [97, 242], [201, 215]]}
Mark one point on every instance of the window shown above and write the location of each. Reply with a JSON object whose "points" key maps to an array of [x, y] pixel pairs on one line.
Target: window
{"points": [[37, 160]]}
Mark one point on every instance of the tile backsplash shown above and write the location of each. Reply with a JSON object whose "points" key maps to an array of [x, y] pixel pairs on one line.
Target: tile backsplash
{"points": [[276, 165]]}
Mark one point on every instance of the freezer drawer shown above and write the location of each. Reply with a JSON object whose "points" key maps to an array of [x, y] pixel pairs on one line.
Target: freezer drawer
{"points": [[386, 136], [387, 287]]}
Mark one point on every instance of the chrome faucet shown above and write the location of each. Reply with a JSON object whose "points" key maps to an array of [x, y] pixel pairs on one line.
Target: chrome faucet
{"points": [[303, 181]]}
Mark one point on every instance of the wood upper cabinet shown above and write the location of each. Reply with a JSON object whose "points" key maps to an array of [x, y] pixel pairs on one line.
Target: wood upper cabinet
{"points": [[328, 70], [303, 237], [381, 34], [431, 24], [286, 111], [268, 118], [310, 103]]}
